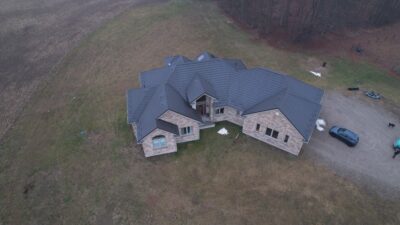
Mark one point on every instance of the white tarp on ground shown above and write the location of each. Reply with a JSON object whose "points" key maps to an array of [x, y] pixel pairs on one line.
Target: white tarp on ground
{"points": [[223, 131], [320, 124], [315, 73]]}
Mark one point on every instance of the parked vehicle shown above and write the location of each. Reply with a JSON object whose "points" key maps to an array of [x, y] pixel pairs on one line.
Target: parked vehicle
{"points": [[347, 136], [353, 88], [396, 145]]}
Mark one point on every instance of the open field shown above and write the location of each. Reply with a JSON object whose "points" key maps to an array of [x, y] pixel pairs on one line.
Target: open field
{"points": [[35, 35], [71, 158]]}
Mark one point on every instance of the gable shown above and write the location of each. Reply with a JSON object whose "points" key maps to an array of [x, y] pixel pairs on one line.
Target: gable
{"points": [[199, 87], [277, 117]]}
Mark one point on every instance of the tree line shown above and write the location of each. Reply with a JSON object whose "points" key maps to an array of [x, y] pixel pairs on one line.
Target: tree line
{"points": [[302, 19]]}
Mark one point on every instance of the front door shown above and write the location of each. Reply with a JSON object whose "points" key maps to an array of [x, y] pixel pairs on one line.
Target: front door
{"points": [[201, 109]]}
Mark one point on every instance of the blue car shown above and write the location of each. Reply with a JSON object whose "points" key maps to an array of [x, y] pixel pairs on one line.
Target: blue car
{"points": [[347, 136]]}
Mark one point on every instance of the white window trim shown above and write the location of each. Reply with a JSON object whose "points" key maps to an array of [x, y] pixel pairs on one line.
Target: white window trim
{"points": [[190, 128], [272, 133], [218, 110]]}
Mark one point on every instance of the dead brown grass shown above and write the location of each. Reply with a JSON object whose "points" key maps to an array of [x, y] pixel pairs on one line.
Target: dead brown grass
{"points": [[75, 153]]}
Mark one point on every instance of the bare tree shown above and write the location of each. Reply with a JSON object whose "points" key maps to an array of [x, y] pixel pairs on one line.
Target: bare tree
{"points": [[302, 19]]}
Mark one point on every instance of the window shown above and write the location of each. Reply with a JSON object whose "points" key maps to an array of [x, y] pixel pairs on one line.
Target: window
{"points": [[159, 142], [186, 130], [258, 127], [286, 138], [219, 111], [275, 134], [272, 133]]}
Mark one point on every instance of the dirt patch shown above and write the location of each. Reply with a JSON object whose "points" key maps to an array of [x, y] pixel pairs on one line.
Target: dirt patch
{"points": [[380, 46], [315, 65], [370, 163]]}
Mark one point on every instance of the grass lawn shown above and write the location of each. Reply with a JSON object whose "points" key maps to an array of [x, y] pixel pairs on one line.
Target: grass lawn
{"points": [[71, 158]]}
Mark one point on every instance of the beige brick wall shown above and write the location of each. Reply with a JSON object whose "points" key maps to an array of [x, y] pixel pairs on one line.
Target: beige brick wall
{"points": [[147, 143], [230, 114], [275, 120], [182, 121]]}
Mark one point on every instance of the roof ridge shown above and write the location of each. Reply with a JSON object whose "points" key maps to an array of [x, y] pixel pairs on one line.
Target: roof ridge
{"points": [[282, 92], [190, 82], [150, 99], [167, 85], [302, 98]]}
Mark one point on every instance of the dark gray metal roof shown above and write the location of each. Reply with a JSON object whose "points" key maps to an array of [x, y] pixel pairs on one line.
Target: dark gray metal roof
{"points": [[198, 87], [146, 105], [215, 71], [248, 90], [249, 87], [137, 100], [205, 56], [169, 127], [154, 77], [175, 60], [301, 112]]}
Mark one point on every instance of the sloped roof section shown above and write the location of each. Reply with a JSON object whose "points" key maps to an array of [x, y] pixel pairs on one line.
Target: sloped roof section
{"points": [[137, 99], [155, 107], [198, 87], [236, 64], [267, 104], [161, 99], [175, 60], [249, 87], [215, 71], [177, 104], [302, 113], [169, 127], [205, 56], [154, 77]]}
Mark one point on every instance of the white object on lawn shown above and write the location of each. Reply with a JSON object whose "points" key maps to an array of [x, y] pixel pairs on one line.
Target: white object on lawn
{"points": [[320, 124], [223, 131], [315, 73]]}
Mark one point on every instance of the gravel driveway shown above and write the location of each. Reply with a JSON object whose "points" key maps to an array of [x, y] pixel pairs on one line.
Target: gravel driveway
{"points": [[35, 35], [370, 163]]}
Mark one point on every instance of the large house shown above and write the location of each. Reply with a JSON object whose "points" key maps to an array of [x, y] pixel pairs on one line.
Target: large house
{"points": [[184, 96]]}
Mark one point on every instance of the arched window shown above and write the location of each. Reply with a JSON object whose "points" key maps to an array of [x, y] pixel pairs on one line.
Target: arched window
{"points": [[159, 141]]}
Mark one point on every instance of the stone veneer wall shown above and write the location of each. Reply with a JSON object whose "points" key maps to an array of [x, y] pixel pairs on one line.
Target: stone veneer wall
{"points": [[147, 143], [275, 120], [134, 129], [230, 114], [182, 121]]}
